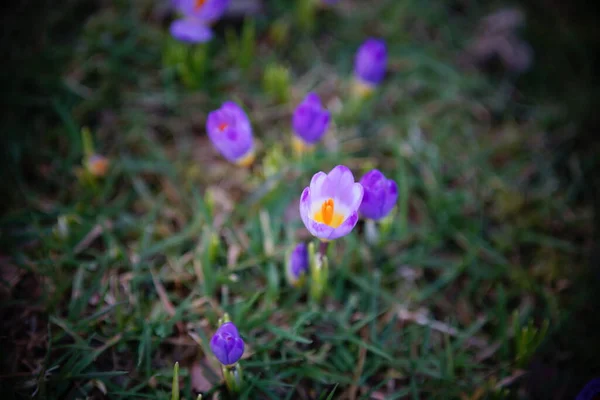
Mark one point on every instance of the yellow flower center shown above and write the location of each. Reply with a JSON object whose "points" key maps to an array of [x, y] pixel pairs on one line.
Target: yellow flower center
{"points": [[327, 215], [198, 4]]}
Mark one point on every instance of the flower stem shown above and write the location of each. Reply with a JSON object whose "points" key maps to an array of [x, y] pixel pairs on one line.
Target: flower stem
{"points": [[323, 246], [233, 377], [319, 271], [371, 232]]}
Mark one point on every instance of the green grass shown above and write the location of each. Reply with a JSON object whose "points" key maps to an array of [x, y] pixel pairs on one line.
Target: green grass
{"points": [[108, 285]]}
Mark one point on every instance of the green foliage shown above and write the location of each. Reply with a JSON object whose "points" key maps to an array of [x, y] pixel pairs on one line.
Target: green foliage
{"points": [[242, 49], [175, 386], [306, 14], [109, 286], [190, 62], [276, 82], [528, 338]]}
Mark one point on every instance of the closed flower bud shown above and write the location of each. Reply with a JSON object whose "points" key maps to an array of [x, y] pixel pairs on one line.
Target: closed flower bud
{"points": [[297, 265], [227, 345], [310, 120], [370, 64], [380, 195]]}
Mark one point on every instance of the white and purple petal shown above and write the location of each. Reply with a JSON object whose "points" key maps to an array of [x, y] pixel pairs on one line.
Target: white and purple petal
{"points": [[345, 228]]}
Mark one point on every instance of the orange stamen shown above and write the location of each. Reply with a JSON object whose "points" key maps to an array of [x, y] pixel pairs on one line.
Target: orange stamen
{"points": [[198, 4], [327, 210], [327, 215], [222, 126]]}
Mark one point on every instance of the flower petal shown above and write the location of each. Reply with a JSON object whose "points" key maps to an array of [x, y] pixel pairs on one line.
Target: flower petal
{"points": [[319, 230], [236, 351], [229, 327], [217, 346], [351, 198], [318, 185], [392, 196], [340, 178], [313, 99], [305, 206], [345, 228], [190, 30]]}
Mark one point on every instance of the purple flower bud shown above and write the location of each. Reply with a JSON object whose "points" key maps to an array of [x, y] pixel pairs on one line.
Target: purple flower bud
{"points": [[329, 206], [230, 131], [227, 345], [297, 264], [310, 120], [370, 62], [380, 195], [590, 391], [197, 17]]}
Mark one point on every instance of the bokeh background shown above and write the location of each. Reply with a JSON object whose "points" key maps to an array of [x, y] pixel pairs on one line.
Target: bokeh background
{"points": [[486, 119]]}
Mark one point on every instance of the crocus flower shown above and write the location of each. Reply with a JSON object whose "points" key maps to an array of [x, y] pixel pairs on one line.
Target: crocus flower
{"points": [[329, 206], [97, 165], [590, 391], [380, 195], [297, 264], [198, 15], [310, 120], [370, 63], [227, 345], [230, 131]]}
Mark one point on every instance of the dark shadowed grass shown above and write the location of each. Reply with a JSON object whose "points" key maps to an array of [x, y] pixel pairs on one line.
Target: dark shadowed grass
{"points": [[108, 284]]}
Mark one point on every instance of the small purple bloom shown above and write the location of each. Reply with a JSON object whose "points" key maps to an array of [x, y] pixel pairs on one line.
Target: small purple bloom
{"points": [[380, 195], [310, 120], [193, 27], [370, 62], [329, 206], [230, 131], [297, 264], [227, 345], [590, 391]]}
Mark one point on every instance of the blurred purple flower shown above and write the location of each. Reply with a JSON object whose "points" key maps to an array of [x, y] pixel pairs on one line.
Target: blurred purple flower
{"points": [[297, 264], [198, 15], [329, 206], [227, 345], [230, 131], [310, 120], [380, 195], [97, 165], [370, 62], [590, 391]]}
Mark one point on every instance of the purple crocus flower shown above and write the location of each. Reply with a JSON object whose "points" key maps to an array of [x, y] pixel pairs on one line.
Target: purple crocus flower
{"points": [[297, 264], [370, 62], [310, 120], [590, 391], [329, 206], [227, 345], [380, 195], [198, 15], [230, 131]]}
